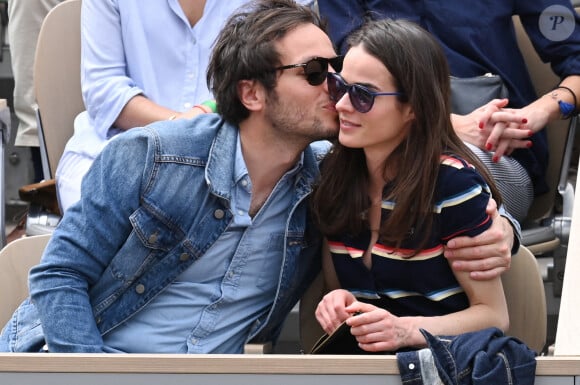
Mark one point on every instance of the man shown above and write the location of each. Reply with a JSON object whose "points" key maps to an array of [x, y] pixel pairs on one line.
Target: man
{"points": [[191, 236]]}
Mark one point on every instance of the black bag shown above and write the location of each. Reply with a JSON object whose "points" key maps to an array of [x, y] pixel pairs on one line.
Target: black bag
{"points": [[468, 94]]}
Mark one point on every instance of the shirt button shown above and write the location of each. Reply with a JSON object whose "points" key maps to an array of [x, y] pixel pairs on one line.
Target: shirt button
{"points": [[218, 214], [153, 238], [184, 257], [187, 105], [240, 212], [244, 182], [411, 366], [140, 289], [194, 341]]}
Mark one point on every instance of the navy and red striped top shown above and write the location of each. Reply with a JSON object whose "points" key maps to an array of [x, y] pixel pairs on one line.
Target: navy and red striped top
{"points": [[423, 284]]}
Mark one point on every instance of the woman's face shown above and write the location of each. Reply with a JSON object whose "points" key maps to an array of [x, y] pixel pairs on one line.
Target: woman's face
{"points": [[387, 123]]}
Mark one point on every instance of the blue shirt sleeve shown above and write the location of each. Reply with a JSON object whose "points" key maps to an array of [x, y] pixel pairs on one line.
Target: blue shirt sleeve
{"points": [[106, 85]]}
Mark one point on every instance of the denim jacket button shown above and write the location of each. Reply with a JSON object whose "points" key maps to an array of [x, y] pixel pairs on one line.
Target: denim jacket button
{"points": [[411, 366], [218, 214], [153, 238], [184, 257], [140, 288]]}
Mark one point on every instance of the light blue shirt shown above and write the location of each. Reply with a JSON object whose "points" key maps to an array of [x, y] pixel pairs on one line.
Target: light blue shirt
{"points": [[130, 49], [212, 305]]}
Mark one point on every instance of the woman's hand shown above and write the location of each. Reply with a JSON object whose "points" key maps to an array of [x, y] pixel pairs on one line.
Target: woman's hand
{"points": [[493, 127], [331, 310], [377, 330]]}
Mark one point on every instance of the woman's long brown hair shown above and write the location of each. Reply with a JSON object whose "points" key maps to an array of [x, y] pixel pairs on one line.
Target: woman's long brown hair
{"points": [[419, 67]]}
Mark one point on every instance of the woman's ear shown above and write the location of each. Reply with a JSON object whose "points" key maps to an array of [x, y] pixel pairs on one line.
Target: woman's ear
{"points": [[252, 94], [408, 112]]}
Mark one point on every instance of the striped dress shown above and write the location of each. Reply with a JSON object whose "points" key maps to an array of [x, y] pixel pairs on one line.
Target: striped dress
{"points": [[422, 284]]}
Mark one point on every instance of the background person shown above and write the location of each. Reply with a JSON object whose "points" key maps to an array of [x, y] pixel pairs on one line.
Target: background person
{"points": [[25, 19]]}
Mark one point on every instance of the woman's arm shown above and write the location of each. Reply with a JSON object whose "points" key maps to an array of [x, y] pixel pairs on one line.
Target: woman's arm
{"points": [[140, 111], [378, 330], [112, 95], [331, 312]]}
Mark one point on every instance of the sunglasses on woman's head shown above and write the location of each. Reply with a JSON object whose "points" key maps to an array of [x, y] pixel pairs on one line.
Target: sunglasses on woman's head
{"points": [[316, 68], [361, 98]]}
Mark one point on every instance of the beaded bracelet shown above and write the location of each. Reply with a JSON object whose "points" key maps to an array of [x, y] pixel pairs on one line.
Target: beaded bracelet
{"points": [[566, 109]]}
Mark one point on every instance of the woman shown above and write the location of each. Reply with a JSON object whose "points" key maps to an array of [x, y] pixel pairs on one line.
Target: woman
{"points": [[406, 185], [481, 39]]}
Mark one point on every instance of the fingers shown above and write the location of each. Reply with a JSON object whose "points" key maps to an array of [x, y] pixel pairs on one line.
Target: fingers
{"points": [[502, 148], [359, 307], [491, 208], [495, 134], [506, 130], [331, 311], [480, 270], [375, 330]]}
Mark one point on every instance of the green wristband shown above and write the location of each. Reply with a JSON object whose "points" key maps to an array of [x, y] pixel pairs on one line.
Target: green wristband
{"points": [[211, 104]]}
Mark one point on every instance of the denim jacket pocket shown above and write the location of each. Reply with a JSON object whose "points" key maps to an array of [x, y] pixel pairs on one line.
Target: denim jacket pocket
{"points": [[155, 231], [149, 242]]}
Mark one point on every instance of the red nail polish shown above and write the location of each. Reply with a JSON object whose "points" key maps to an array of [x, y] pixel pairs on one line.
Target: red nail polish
{"points": [[529, 144], [524, 120], [480, 124], [530, 133], [494, 159], [488, 146]]}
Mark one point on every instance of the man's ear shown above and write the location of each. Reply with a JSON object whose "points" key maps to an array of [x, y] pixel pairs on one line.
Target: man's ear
{"points": [[252, 94]]}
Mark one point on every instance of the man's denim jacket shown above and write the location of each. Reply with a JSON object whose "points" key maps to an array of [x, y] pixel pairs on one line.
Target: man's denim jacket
{"points": [[155, 201], [485, 357]]}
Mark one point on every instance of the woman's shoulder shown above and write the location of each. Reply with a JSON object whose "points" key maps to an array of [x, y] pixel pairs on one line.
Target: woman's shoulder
{"points": [[456, 174]]}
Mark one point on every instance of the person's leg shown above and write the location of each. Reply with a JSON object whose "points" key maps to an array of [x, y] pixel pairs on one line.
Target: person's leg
{"points": [[512, 180], [24, 21]]}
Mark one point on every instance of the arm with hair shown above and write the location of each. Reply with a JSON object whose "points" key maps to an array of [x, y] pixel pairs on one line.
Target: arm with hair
{"points": [[487, 255]]}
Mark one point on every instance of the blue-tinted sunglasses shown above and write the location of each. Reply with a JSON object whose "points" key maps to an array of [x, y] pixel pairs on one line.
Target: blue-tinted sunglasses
{"points": [[361, 98]]}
